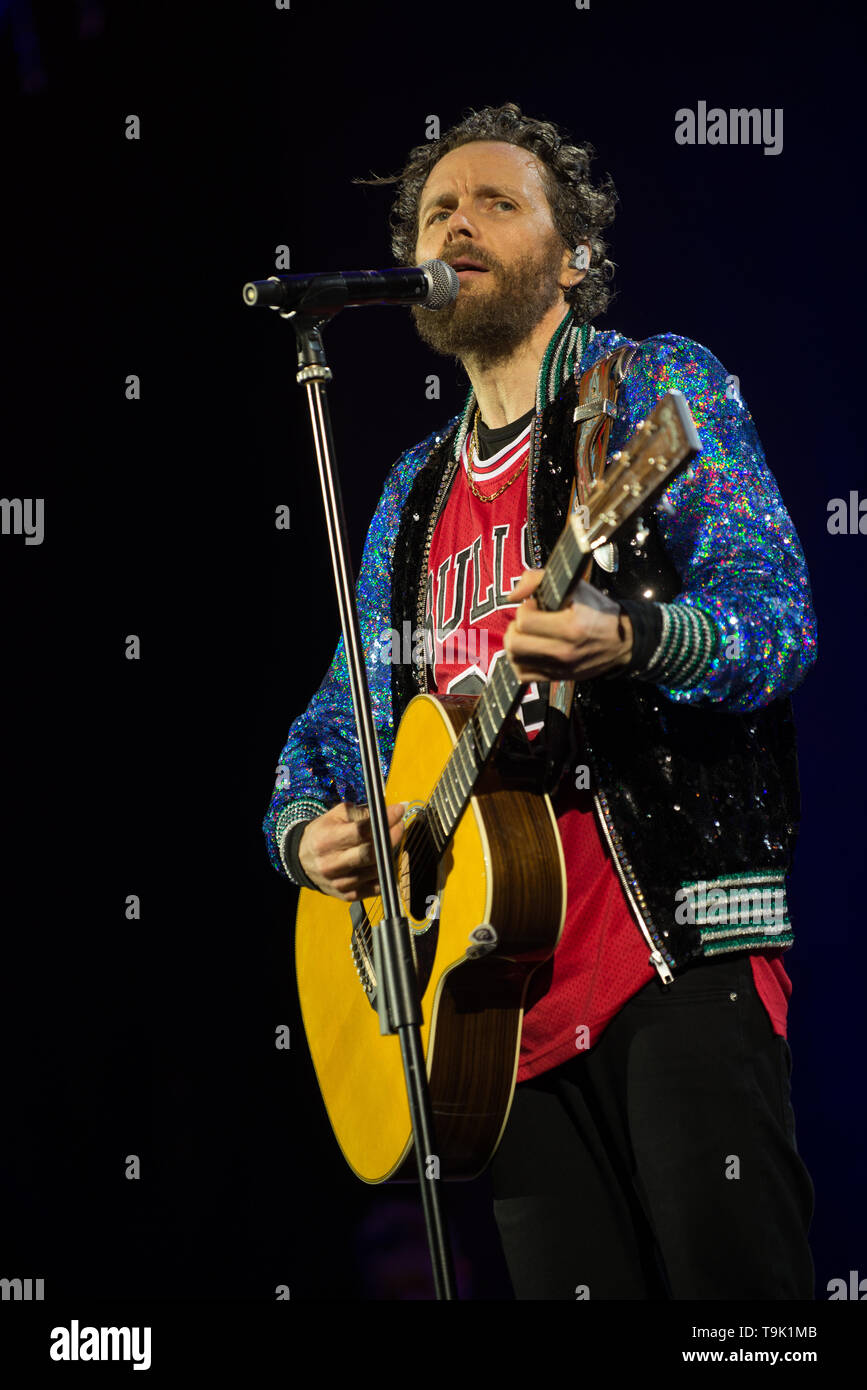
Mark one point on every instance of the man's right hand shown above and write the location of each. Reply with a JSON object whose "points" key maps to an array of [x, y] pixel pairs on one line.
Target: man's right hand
{"points": [[336, 850]]}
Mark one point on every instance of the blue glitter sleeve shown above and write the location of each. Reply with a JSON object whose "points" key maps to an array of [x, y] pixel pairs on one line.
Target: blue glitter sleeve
{"points": [[320, 763], [727, 531]]}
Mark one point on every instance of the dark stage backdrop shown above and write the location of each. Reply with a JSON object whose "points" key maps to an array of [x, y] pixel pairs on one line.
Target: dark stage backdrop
{"points": [[147, 1032]]}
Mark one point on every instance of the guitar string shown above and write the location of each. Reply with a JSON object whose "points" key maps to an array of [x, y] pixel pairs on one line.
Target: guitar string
{"points": [[425, 856]]}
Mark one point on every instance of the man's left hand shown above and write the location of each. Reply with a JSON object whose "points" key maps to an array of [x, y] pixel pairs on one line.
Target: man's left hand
{"points": [[577, 643]]}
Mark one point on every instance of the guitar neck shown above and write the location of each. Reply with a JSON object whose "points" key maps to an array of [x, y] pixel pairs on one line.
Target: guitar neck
{"points": [[501, 695], [661, 445], [474, 747]]}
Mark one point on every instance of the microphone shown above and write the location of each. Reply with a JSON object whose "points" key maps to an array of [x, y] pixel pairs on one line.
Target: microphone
{"points": [[432, 285]]}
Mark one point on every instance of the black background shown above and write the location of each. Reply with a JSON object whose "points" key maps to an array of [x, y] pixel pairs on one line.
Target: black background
{"points": [[156, 1037]]}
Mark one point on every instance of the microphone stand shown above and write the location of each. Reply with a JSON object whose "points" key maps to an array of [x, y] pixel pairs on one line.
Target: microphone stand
{"points": [[398, 1003]]}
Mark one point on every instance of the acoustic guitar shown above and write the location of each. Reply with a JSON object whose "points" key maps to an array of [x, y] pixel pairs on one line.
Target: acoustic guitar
{"points": [[482, 880]]}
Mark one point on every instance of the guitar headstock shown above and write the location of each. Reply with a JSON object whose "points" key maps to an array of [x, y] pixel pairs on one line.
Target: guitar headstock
{"points": [[663, 444]]}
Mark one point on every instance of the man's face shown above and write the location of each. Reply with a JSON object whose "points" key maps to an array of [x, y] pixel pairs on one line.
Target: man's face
{"points": [[484, 205]]}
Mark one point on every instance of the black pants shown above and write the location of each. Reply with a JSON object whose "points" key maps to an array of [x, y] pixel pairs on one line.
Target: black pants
{"points": [[662, 1162]]}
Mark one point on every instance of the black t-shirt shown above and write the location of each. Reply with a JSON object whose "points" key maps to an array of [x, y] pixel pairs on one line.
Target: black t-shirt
{"points": [[491, 441]]}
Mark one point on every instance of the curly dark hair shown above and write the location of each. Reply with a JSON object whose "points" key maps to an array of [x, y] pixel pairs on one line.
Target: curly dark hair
{"points": [[580, 209]]}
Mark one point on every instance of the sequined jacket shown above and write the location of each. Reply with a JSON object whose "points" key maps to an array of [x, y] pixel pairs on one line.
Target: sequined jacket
{"points": [[695, 789]]}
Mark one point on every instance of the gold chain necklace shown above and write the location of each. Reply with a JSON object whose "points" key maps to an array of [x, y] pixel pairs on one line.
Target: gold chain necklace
{"points": [[473, 489]]}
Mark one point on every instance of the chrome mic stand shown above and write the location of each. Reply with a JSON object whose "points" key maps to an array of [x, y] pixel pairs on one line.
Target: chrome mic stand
{"points": [[397, 999]]}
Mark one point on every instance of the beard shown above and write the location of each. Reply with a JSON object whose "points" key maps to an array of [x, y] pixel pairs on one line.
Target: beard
{"points": [[486, 326]]}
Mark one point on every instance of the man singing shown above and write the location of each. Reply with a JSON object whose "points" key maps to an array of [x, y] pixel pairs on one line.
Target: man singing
{"points": [[650, 1151]]}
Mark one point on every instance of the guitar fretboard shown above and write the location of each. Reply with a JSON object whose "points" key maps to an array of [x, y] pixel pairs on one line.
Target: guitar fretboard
{"points": [[499, 698]]}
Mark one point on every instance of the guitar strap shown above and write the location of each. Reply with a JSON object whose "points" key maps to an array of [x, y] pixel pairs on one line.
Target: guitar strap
{"points": [[596, 408]]}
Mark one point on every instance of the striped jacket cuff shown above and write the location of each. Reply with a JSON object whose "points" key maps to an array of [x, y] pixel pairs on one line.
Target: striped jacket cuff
{"points": [[296, 813], [686, 649]]}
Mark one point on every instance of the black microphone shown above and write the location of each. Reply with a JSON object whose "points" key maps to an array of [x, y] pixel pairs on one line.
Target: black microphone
{"points": [[433, 285]]}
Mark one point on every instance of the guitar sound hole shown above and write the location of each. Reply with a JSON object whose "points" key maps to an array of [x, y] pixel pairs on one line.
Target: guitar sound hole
{"points": [[417, 874]]}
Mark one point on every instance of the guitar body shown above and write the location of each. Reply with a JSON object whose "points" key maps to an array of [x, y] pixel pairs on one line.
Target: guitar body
{"points": [[504, 868]]}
